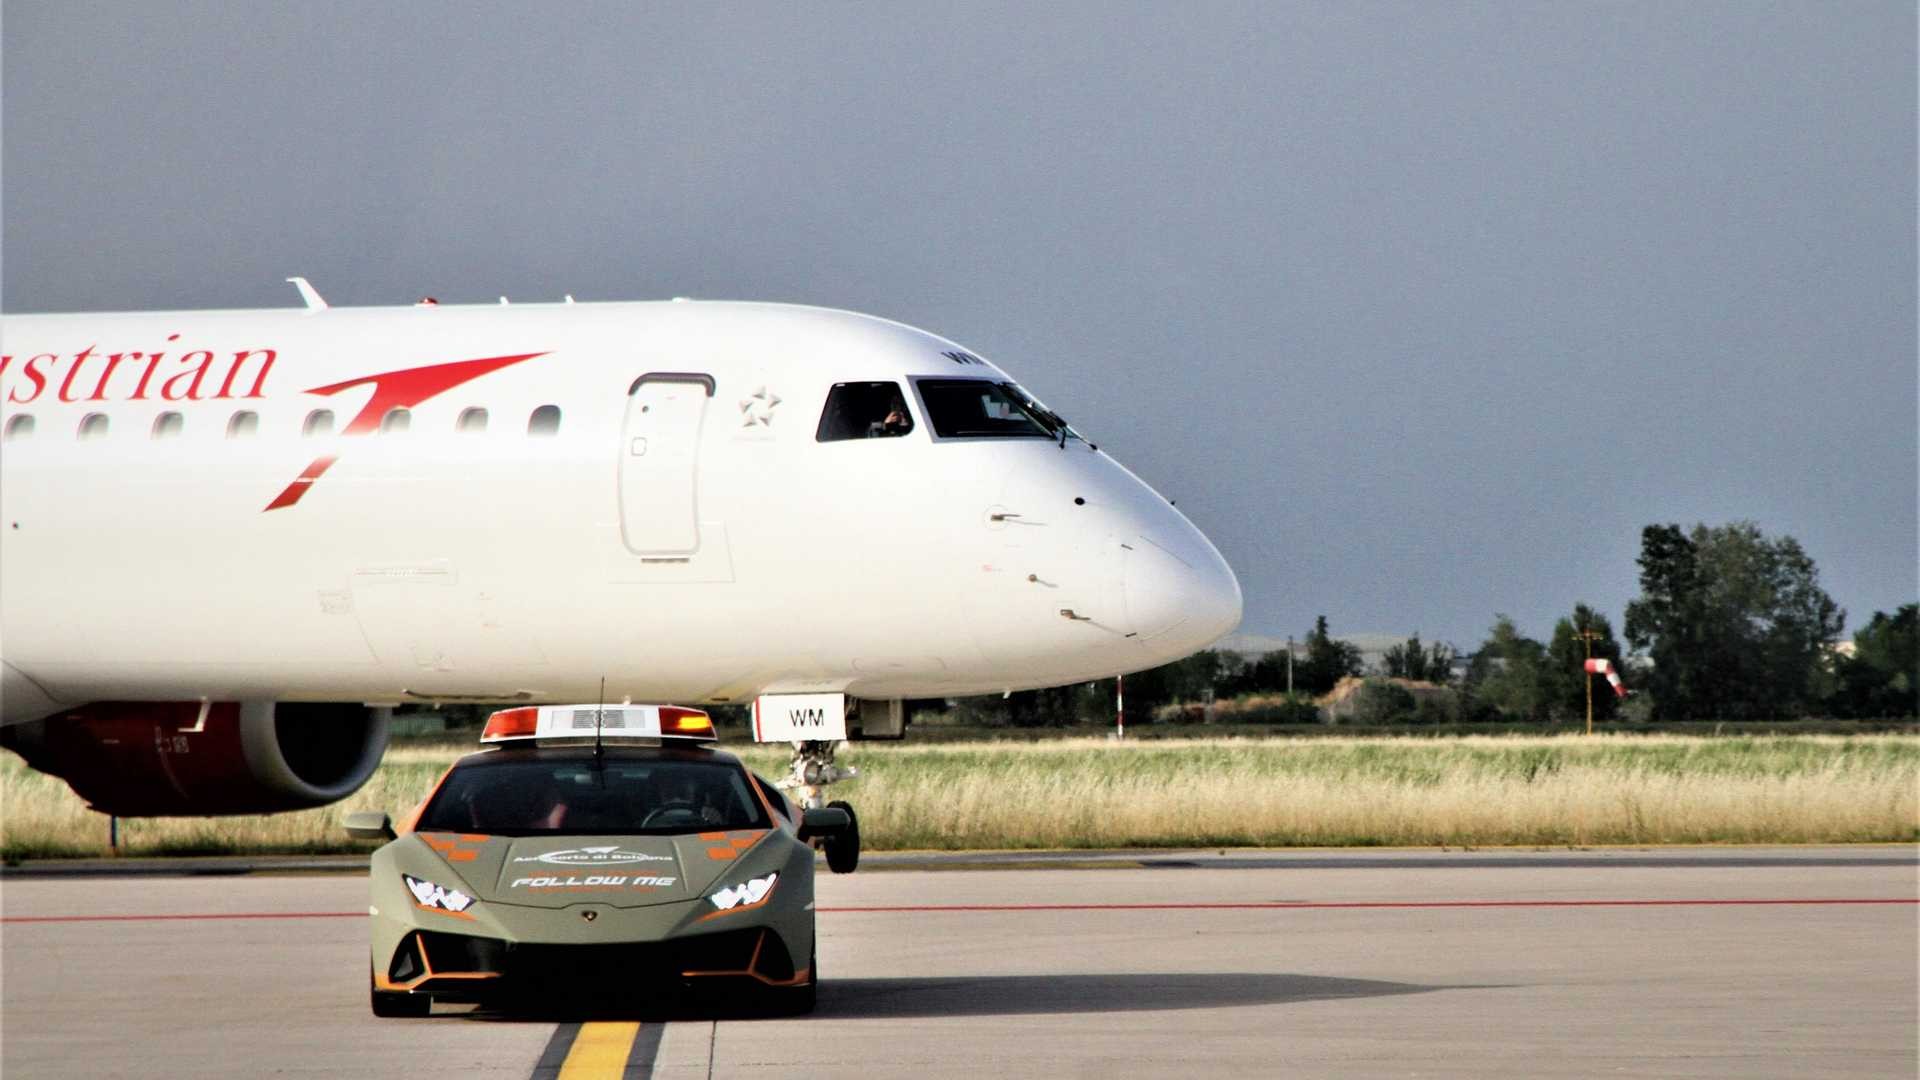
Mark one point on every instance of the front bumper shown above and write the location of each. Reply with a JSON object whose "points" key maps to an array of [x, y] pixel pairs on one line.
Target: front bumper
{"points": [[467, 967]]}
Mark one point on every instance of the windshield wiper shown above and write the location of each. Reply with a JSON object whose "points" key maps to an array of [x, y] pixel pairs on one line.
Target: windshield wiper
{"points": [[1052, 422]]}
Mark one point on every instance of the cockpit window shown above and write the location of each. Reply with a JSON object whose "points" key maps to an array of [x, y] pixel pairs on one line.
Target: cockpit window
{"points": [[983, 409], [864, 410]]}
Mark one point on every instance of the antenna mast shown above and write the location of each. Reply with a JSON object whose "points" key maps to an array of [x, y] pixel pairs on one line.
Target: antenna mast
{"points": [[599, 714]]}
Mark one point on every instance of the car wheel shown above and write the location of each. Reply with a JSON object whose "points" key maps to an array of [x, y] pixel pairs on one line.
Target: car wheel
{"points": [[398, 1003], [843, 850]]}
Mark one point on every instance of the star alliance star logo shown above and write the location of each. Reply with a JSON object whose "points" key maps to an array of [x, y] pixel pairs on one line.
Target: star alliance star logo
{"points": [[756, 410]]}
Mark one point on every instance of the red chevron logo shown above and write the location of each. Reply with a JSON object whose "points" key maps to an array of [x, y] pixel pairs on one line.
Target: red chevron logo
{"points": [[401, 389]]}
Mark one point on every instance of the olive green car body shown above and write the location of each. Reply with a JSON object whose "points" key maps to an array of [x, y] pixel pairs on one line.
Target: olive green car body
{"points": [[555, 912]]}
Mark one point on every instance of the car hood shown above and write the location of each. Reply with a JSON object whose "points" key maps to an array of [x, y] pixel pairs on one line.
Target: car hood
{"points": [[559, 871]]}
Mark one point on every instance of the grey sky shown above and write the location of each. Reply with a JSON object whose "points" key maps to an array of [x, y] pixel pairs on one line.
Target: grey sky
{"points": [[1420, 311]]}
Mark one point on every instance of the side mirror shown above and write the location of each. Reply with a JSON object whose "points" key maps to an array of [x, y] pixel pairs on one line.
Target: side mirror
{"points": [[824, 821], [369, 825]]}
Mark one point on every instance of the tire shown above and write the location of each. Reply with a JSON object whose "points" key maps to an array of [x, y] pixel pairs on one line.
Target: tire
{"points": [[395, 1004], [843, 851]]}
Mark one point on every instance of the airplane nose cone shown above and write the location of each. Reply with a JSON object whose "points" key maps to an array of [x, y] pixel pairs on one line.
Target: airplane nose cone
{"points": [[1178, 601]]}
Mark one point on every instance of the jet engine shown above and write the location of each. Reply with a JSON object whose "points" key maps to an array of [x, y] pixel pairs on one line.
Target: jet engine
{"points": [[198, 759]]}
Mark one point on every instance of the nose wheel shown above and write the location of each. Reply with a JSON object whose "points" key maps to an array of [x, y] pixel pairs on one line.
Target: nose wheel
{"points": [[809, 773], [843, 850]]}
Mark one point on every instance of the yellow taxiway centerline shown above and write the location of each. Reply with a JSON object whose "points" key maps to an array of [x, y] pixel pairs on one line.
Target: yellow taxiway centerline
{"points": [[600, 1051]]}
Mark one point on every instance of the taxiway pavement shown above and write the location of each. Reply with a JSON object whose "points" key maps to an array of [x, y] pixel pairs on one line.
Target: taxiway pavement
{"points": [[1734, 962]]}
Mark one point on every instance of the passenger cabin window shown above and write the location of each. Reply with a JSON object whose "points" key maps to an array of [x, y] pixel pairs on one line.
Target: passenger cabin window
{"points": [[244, 425], [319, 424], [396, 422], [545, 421], [168, 425], [93, 426], [472, 421], [864, 410], [19, 427], [982, 409]]}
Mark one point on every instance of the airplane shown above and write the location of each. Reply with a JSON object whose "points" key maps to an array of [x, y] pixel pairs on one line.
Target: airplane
{"points": [[231, 541]]}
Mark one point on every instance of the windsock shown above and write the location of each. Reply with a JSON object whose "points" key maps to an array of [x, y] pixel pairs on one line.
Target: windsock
{"points": [[1605, 667]]}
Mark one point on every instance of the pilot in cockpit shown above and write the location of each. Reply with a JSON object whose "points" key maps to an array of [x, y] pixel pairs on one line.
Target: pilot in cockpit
{"points": [[896, 422], [864, 410]]}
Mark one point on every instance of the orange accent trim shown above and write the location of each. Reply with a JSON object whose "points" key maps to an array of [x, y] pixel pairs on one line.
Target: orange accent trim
{"points": [[473, 838], [753, 963], [744, 842], [721, 853], [412, 816], [463, 855], [448, 914], [713, 836], [381, 982], [773, 815]]}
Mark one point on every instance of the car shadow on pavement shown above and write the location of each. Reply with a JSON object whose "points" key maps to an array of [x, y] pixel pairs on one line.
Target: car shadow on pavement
{"points": [[979, 995], [1028, 995]]}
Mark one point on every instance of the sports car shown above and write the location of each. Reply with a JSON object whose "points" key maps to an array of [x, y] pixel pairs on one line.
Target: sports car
{"points": [[605, 849]]}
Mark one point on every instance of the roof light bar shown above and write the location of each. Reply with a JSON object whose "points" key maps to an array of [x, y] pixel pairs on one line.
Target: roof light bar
{"points": [[612, 722], [511, 724], [675, 720]]}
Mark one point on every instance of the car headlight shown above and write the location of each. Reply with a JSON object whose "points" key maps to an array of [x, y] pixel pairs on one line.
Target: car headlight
{"points": [[429, 895], [745, 894]]}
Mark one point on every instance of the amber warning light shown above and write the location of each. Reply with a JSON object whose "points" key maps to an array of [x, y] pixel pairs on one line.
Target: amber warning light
{"points": [[608, 722]]}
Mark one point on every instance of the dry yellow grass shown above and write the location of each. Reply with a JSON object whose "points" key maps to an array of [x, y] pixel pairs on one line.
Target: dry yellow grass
{"points": [[1498, 790], [1544, 790], [41, 817]]}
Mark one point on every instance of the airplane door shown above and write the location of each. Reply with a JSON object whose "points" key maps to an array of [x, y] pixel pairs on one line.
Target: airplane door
{"points": [[660, 462]]}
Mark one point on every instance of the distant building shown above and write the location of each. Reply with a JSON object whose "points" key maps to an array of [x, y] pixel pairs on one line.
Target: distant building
{"points": [[1373, 648]]}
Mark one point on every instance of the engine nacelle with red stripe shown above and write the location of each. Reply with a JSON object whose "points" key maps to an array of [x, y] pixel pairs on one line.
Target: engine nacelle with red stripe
{"points": [[155, 759]]}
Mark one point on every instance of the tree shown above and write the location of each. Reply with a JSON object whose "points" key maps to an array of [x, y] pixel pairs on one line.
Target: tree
{"points": [[1736, 623], [1882, 677], [1508, 673], [1055, 706], [1186, 679], [1380, 702], [1427, 664], [1566, 673], [1268, 674], [1328, 661]]}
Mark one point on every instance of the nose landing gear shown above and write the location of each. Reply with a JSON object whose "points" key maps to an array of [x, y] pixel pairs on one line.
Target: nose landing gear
{"points": [[808, 774]]}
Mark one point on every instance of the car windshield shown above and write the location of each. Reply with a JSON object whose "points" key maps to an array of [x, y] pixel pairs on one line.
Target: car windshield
{"points": [[508, 796], [983, 409]]}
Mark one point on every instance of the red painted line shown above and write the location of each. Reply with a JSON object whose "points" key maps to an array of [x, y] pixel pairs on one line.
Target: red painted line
{"points": [[196, 916], [1276, 905], [1302, 905]]}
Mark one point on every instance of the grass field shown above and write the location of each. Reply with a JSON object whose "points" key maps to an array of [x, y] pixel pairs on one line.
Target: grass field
{"points": [[1202, 792]]}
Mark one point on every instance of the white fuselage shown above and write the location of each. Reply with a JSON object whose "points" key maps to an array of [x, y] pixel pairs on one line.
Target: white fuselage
{"points": [[683, 538]]}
